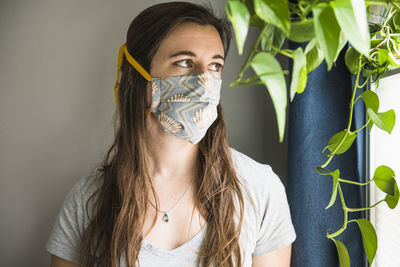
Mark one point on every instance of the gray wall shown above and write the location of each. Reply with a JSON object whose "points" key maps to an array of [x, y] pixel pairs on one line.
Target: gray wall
{"points": [[57, 71]]}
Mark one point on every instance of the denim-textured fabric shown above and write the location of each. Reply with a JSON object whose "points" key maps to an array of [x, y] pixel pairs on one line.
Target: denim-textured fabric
{"points": [[186, 105], [314, 117]]}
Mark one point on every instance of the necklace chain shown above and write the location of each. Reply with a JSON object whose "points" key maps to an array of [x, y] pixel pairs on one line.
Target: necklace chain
{"points": [[165, 216]]}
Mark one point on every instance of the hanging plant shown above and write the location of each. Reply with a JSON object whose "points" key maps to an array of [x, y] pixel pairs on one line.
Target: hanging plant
{"points": [[325, 26]]}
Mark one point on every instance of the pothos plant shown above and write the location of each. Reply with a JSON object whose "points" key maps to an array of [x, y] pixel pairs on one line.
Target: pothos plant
{"points": [[325, 27]]}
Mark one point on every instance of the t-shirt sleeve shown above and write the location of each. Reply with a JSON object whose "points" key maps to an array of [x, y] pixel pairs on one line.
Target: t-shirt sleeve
{"points": [[276, 229], [64, 240]]}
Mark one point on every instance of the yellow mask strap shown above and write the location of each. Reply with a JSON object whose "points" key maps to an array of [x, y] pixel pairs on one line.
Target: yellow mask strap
{"points": [[123, 50]]}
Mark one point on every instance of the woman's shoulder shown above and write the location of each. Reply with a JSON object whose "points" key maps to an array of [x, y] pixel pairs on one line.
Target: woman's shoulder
{"points": [[80, 193], [73, 218], [266, 210], [87, 184], [253, 174]]}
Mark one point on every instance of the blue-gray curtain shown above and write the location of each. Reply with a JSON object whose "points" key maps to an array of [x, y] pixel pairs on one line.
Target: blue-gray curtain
{"points": [[314, 117]]}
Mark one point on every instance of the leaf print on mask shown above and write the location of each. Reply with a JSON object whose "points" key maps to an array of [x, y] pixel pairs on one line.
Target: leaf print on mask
{"points": [[169, 123], [155, 102], [206, 80], [179, 98], [154, 89], [202, 117]]}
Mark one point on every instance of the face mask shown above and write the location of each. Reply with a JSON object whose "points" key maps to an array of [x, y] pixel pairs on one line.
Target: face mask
{"points": [[185, 106]]}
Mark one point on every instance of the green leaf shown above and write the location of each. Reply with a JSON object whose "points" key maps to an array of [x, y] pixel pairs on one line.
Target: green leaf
{"points": [[352, 18], [384, 120], [392, 201], [393, 60], [256, 21], [396, 21], [342, 43], [240, 17], [351, 59], [344, 258], [327, 31], [384, 179], [274, 36], [335, 183], [275, 12], [370, 125], [383, 55], [302, 31], [396, 5], [369, 238], [397, 38], [375, 42], [337, 138], [371, 100], [313, 43], [314, 55], [303, 80], [276, 84], [299, 73], [268, 37]]}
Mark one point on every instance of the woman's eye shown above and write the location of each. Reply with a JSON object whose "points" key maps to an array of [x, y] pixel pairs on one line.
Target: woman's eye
{"points": [[215, 67], [185, 63]]}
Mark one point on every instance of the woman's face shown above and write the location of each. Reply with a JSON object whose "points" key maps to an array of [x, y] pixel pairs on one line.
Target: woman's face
{"points": [[189, 48]]}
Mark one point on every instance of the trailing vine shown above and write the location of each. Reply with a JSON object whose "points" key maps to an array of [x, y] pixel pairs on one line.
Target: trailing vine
{"points": [[325, 26]]}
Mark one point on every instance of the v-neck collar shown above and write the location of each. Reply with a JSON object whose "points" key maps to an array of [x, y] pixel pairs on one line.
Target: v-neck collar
{"points": [[192, 244]]}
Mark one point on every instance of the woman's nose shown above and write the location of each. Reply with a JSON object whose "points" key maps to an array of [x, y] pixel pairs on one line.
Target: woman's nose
{"points": [[201, 68]]}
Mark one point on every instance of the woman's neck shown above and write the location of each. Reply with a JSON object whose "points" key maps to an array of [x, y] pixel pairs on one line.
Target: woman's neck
{"points": [[170, 158]]}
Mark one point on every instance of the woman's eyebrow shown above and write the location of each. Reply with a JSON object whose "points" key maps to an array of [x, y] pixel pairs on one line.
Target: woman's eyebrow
{"points": [[219, 56], [191, 54], [183, 53]]}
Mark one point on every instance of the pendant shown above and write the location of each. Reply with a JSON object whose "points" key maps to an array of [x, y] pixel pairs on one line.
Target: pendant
{"points": [[165, 217]]}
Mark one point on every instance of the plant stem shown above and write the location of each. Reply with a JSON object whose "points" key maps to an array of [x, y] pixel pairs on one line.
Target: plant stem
{"points": [[284, 52], [356, 183], [388, 17], [361, 86], [347, 131], [358, 97], [249, 57], [338, 232], [367, 208], [354, 94], [330, 157], [307, 10], [379, 45], [323, 171], [380, 74], [251, 80], [365, 125]]}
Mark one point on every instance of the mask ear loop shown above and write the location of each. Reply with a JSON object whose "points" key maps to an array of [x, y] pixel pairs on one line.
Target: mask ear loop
{"points": [[123, 50]]}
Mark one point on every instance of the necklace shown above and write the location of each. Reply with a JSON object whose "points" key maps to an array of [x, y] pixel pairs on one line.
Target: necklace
{"points": [[165, 217]]}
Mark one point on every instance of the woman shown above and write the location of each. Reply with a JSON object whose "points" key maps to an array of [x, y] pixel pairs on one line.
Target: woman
{"points": [[170, 191]]}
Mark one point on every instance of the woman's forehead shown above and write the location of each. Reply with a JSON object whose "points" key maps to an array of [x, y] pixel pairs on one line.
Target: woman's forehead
{"points": [[191, 36]]}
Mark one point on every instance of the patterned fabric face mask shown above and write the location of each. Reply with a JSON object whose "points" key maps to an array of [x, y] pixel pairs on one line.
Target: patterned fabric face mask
{"points": [[186, 105]]}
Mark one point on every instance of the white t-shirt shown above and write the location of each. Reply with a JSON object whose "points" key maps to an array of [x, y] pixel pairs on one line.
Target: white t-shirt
{"points": [[267, 224]]}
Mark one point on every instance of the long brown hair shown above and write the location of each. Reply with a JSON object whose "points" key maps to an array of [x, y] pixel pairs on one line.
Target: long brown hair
{"points": [[120, 203]]}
